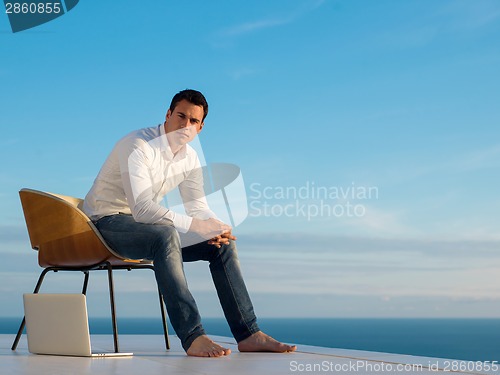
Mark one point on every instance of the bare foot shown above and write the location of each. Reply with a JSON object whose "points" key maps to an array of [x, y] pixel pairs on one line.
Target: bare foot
{"points": [[202, 346], [260, 342]]}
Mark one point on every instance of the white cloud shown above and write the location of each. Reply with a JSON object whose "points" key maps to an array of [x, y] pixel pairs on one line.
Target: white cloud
{"points": [[295, 263], [238, 73], [312, 272], [488, 157], [406, 170], [383, 223], [451, 18], [249, 27], [469, 15], [269, 22], [9, 141], [413, 37]]}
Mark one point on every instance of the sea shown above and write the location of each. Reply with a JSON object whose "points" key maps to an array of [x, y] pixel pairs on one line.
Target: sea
{"points": [[465, 339]]}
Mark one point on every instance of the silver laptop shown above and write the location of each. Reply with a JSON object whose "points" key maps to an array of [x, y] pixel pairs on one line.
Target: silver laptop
{"points": [[57, 324]]}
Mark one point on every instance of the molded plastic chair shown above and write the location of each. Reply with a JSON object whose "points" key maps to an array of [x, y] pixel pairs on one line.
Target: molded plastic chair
{"points": [[67, 240]]}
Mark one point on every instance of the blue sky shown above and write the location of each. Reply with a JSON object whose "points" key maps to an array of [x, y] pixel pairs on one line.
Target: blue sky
{"points": [[400, 96]]}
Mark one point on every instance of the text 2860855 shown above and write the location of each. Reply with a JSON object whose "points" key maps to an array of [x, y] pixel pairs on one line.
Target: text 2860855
{"points": [[33, 8]]}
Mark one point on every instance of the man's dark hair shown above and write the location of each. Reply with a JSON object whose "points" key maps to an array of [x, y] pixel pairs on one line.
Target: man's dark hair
{"points": [[193, 97]]}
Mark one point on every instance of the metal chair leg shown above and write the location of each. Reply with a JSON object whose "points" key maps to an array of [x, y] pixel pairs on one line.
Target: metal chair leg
{"points": [[85, 282], [23, 323], [112, 302], [164, 320]]}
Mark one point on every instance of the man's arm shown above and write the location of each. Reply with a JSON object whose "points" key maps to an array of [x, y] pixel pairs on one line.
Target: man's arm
{"points": [[193, 196], [136, 167], [193, 193]]}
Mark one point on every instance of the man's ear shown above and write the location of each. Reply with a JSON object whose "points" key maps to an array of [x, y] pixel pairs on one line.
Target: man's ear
{"points": [[169, 113], [201, 127]]}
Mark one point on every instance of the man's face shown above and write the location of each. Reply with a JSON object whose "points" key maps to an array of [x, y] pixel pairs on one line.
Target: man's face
{"points": [[183, 123]]}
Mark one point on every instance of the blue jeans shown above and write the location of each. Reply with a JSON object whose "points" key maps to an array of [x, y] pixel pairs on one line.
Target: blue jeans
{"points": [[161, 244]]}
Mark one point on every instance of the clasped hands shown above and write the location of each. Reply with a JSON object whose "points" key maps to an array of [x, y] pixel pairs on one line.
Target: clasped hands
{"points": [[222, 239], [215, 231]]}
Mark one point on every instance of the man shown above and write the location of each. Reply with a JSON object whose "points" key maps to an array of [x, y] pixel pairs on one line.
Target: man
{"points": [[124, 205]]}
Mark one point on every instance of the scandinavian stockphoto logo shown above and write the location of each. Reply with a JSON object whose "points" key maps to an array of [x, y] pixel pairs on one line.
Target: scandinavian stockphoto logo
{"points": [[310, 200], [24, 14]]}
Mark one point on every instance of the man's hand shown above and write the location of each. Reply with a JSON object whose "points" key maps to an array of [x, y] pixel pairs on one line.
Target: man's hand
{"points": [[222, 239], [210, 228]]}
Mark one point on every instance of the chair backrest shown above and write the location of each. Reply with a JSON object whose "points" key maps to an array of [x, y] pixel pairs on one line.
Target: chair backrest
{"points": [[62, 233]]}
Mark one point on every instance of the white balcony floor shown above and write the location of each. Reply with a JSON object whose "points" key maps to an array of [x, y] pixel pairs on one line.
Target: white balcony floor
{"points": [[150, 358]]}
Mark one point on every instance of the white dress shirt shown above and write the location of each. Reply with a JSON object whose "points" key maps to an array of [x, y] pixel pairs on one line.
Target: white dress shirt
{"points": [[139, 172]]}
